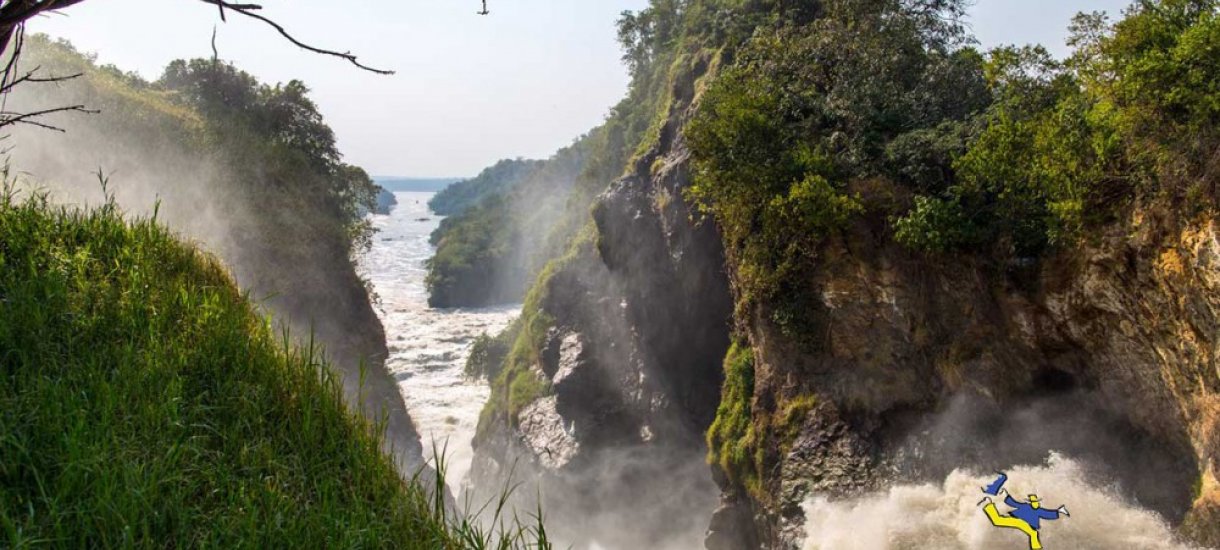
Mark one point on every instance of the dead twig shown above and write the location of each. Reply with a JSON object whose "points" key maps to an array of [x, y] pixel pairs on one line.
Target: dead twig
{"points": [[15, 13], [31, 78], [8, 118], [250, 10]]}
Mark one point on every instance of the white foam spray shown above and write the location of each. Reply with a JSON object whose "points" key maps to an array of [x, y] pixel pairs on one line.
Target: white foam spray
{"points": [[428, 347], [948, 516]]}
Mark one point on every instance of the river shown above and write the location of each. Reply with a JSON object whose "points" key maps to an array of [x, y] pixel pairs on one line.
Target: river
{"points": [[428, 347]]}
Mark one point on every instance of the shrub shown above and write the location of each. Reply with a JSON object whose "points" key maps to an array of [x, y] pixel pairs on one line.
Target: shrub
{"points": [[730, 439]]}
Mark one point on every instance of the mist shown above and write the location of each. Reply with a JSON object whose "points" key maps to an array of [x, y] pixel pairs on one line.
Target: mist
{"points": [[1122, 488], [152, 157], [946, 515], [633, 353]]}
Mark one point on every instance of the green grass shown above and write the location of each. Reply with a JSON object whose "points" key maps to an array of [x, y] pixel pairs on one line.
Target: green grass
{"points": [[145, 404], [792, 415], [731, 439]]}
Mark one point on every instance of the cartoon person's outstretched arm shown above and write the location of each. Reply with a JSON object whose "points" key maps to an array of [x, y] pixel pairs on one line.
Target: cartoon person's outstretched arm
{"points": [[1053, 514]]}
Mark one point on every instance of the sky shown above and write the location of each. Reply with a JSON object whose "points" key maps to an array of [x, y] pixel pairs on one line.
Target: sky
{"points": [[469, 90]]}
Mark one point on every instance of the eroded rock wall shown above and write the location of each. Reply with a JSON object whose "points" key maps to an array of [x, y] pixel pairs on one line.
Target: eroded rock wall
{"points": [[641, 320], [923, 365]]}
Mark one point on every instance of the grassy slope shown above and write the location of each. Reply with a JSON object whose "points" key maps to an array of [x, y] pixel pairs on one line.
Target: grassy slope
{"points": [[143, 403]]}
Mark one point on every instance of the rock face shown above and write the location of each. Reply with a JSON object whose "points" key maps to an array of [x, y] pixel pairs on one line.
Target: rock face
{"points": [[918, 365], [634, 366], [921, 365], [335, 309], [1104, 353], [640, 326]]}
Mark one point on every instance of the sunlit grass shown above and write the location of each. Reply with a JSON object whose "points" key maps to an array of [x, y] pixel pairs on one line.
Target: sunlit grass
{"points": [[145, 403]]}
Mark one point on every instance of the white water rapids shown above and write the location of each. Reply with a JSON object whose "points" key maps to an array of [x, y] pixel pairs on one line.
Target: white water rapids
{"points": [[428, 347], [947, 517]]}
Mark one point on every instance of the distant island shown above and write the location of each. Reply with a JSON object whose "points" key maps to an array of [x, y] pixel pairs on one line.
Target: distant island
{"points": [[431, 185]]}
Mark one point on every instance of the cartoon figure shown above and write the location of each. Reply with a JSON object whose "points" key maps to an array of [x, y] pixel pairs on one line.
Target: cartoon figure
{"points": [[1025, 517]]}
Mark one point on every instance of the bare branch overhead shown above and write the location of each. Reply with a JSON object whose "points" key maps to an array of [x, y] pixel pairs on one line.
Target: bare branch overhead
{"points": [[250, 10], [15, 13], [10, 118], [29, 76]]}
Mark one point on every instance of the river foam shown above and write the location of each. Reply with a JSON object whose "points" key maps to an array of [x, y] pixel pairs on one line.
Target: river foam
{"points": [[947, 516], [428, 347]]}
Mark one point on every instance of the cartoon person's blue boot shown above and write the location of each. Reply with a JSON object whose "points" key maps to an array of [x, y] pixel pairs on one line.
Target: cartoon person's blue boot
{"points": [[993, 489]]}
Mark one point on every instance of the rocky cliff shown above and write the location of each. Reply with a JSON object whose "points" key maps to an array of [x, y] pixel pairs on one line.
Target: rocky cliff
{"points": [[873, 362], [1103, 353], [634, 325]]}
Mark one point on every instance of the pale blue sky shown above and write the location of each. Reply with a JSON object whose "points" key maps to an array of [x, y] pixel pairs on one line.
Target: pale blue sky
{"points": [[523, 81]]}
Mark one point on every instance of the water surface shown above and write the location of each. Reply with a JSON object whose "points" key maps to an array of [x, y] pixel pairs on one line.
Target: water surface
{"points": [[428, 347]]}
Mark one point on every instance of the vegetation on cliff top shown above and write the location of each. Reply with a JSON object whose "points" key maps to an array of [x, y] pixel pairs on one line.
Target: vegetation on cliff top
{"points": [[818, 124], [809, 107], [278, 130], [268, 138], [145, 403]]}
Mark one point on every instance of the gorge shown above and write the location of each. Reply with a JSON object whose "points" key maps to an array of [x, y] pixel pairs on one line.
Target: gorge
{"points": [[824, 270], [843, 303]]}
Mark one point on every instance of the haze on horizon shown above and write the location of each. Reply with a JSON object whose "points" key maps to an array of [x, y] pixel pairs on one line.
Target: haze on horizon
{"points": [[521, 82]]}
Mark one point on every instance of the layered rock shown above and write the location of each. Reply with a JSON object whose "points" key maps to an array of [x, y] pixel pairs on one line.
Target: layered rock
{"points": [[1103, 353]]}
